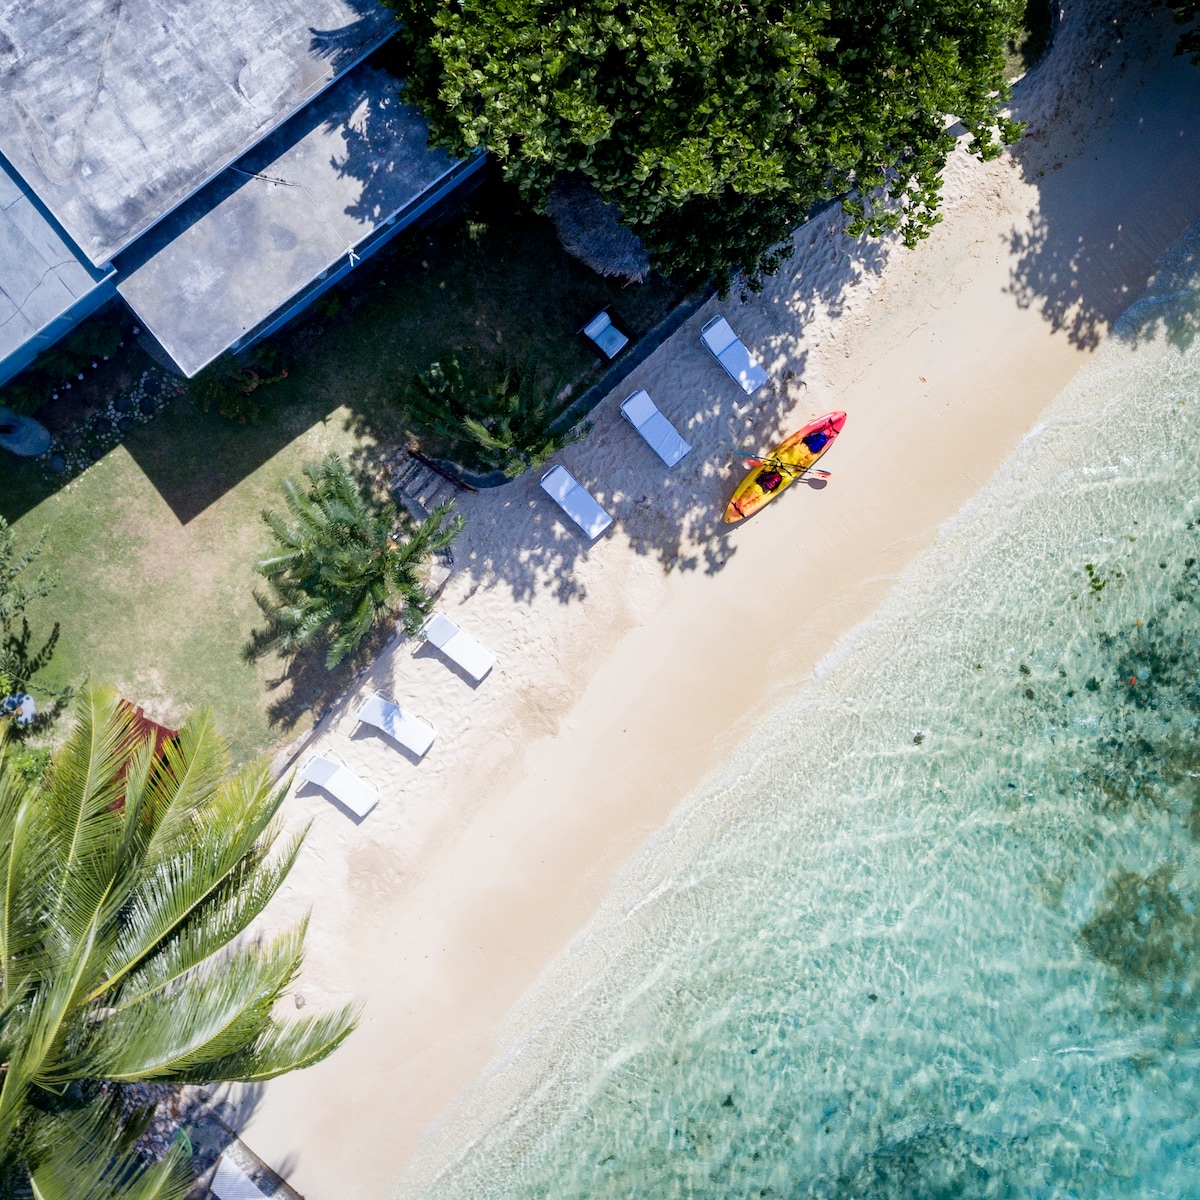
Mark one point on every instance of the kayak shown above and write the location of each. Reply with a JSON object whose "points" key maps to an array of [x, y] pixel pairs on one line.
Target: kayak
{"points": [[786, 463]]}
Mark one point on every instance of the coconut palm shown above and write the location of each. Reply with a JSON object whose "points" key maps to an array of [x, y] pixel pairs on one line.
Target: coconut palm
{"points": [[128, 875], [508, 426], [343, 564], [516, 429]]}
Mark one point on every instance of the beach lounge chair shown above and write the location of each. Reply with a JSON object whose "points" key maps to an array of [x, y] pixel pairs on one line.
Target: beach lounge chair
{"points": [[576, 501], [604, 335], [725, 346], [341, 783], [459, 647], [398, 723], [660, 435], [230, 1182]]}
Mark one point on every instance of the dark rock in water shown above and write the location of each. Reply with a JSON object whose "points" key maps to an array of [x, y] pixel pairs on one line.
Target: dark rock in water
{"points": [[147, 407], [103, 426], [125, 424], [123, 404], [96, 453], [57, 463]]}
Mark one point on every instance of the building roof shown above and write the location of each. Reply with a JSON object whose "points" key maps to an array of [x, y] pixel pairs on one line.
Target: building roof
{"points": [[337, 175], [116, 111], [42, 276]]}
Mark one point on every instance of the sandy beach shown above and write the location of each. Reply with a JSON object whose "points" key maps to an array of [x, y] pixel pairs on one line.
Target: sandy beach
{"points": [[630, 668]]}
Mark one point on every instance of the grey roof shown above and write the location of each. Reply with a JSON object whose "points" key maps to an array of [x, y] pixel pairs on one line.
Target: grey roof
{"points": [[115, 111], [41, 275], [332, 178]]}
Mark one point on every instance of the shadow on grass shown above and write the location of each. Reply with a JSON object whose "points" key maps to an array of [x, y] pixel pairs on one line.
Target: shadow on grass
{"points": [[491, 284]]}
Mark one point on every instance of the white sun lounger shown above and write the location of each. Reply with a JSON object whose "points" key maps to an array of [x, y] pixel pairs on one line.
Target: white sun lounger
{"points": [[605, 335], [230, 1182], [341, 783], [576, 501], [411, 731], [459, 647], [661, 436], [725, 346]]}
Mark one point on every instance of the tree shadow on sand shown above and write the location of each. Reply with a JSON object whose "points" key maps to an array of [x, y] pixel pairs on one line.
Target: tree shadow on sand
{"points": [[303, 684], [516, 537], [1113, 122]]}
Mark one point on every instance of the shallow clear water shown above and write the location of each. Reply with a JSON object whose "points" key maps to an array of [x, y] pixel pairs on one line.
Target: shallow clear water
{"points": [[936, 932]]}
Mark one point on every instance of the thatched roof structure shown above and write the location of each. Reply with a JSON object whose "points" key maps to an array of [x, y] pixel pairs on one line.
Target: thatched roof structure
{"points": [[590, 229]]}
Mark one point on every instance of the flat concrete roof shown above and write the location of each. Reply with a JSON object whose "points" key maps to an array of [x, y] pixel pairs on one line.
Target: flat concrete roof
{"points": [[288, 211], [115, 111], [42, 276]]}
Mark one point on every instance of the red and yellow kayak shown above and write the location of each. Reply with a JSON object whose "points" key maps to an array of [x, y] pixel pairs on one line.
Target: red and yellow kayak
{"points": [[787, 462]]}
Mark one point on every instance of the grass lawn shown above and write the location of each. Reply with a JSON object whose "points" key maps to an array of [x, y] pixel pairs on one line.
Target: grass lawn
{"points": [[154, 543]]}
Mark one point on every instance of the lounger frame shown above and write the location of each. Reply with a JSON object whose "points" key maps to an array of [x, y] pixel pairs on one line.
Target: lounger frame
{"points": [[576, 501], [616, 324], [736, 361], [471, 655], [655, 429], [230, 1182], [358, 808], [406, 737]]}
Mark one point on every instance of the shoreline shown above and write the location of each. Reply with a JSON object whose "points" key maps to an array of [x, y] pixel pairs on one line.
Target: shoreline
{"points": [[620, 685]]}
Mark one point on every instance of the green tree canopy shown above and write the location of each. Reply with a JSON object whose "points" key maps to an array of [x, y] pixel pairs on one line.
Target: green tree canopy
{"points": [[127, 875], [715, 125], [343, 563], [509, 426], [1187, 13]]}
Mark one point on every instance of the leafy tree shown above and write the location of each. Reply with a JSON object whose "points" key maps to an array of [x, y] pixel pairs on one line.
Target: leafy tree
{"points": [[342, 564], [128, 874], [507, 427], [1187, 12], [715, 125]]}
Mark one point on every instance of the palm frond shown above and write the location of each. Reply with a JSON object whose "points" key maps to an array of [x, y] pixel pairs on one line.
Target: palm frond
{"points": [[208, 1015], [208, 929], [125, 876], [81, 1155], [284, 1048], [340, 565]]}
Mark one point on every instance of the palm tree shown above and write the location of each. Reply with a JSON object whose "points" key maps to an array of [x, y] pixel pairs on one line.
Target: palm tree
{"points": [[341, 564], [508, 426], [127, 873], [516, 430]]}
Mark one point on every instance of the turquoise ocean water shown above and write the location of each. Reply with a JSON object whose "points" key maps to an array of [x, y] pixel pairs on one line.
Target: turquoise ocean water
{"points": [[935, 932]]}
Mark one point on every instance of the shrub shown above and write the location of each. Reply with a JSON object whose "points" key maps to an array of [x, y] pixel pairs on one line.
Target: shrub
{"points": [[229, 386], [343, 564], [508, 426]]}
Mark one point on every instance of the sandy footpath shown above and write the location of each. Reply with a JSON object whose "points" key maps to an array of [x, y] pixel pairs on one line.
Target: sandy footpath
{"points": [[628, 669]]}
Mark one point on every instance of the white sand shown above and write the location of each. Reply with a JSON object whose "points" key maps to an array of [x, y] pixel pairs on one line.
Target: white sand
{"points": [[628, 669]]}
